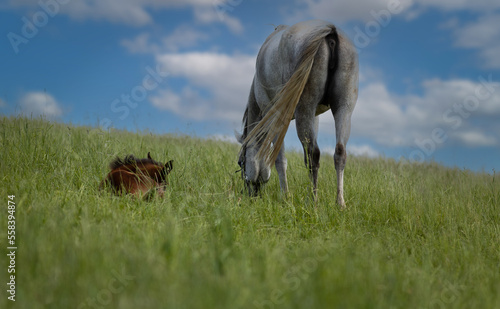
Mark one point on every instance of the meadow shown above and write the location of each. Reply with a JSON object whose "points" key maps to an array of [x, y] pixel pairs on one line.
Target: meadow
{"points": [[413, 235]]}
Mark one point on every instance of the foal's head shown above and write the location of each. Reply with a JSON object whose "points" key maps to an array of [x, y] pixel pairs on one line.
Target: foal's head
{"points": [[155, 170]]}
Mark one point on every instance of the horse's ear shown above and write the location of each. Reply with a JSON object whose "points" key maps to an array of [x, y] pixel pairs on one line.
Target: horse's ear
{"points": [[169, 166], [149, 156]]}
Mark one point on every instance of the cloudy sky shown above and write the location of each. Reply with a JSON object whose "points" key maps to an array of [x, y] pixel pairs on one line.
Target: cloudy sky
{"points": [[429, 70]]}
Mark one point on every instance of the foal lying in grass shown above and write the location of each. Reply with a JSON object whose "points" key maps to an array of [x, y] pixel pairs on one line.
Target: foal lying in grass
{"points": [[139, 177]]}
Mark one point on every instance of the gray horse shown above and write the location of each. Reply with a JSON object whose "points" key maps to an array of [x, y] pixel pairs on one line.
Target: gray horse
{"points": [[301, 71]]}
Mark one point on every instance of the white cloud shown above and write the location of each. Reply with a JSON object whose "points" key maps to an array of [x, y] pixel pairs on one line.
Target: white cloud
{"points": [[479, 33], [131, 12], [187, 104], [373, 10], [378, 115], [168, 100], [476, 139], [343, 11], [223, 138], [449, 5], [484, 35], [182, 37], [140, 44], [465, 110], [40, 103], [226, 79], [355, 150], [363, 150], [450, 24], [212, 14]]}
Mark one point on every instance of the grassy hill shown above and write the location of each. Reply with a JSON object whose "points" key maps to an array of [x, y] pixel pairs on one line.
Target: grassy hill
{"points": [[413, 236]]}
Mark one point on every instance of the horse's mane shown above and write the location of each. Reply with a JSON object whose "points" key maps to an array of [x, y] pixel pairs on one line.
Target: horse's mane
{"points": [[131, 160], [244, 124]]}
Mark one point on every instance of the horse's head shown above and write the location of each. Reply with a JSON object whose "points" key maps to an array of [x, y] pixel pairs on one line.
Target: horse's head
{"points": [[157, 170], [167, 168], [254, 172]]}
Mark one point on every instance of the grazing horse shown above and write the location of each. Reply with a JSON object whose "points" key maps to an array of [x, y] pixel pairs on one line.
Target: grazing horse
{"points": [[137, 176], [301, 71]]}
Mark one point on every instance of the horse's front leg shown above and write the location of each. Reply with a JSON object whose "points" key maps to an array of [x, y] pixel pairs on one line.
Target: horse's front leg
{"points": [[281, 164]]}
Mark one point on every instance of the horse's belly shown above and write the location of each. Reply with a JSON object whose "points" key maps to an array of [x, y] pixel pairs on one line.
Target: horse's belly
{"points": [[321, 109]]}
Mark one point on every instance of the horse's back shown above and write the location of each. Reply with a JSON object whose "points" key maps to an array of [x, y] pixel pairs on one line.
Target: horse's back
{"points": [[280, 55], [284, 47], [297, 37]]}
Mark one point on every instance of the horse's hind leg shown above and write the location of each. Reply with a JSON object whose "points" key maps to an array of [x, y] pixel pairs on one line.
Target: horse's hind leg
{"points": [[305, 113], [342, 131], [307, 130]]}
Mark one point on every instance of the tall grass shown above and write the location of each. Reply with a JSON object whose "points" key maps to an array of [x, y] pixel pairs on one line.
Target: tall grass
{"points": [[413, 236]]}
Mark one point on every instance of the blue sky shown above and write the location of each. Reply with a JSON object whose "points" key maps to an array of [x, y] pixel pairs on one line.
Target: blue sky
{"points": [[429, 70]]}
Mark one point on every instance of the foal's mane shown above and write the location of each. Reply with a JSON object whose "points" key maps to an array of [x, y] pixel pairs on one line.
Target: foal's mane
{"points": [[131, 160]]}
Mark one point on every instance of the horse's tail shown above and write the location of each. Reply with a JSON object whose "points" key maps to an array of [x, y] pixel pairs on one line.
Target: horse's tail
{"points": [[271, 130]]}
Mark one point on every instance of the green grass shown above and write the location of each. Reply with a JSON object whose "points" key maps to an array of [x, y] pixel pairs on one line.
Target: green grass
{"points": [[413, 236]]}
